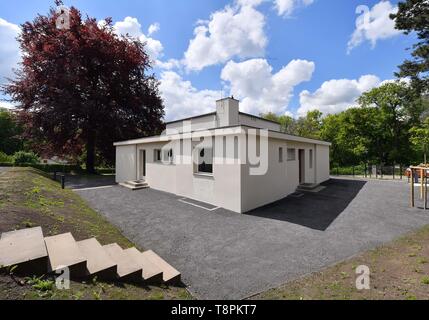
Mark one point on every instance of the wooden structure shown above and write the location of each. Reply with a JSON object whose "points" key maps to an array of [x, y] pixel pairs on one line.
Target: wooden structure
{"points": [[421, 171]]}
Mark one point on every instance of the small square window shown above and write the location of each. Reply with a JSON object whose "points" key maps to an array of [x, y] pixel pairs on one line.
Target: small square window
{"points": [[291, 154], [205, 160]]}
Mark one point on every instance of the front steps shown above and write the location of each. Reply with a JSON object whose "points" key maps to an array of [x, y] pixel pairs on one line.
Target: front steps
{"points": [[135, 185], [310, 187], [25, 248], [28, 248]]}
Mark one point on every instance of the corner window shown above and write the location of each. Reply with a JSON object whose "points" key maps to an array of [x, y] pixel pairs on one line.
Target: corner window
{"points": [[280, 155], [205, 160], [291, 154]]}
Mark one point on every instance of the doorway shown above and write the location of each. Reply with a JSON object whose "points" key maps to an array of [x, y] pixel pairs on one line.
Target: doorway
{"points": [[301, 160], [142, 171]]}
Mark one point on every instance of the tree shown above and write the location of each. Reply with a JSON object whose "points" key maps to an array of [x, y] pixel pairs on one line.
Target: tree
{"points": [[413, 16], [9, 133], [310, 125], [82, 88], [420, 138], [287, 123], [397, 111]]}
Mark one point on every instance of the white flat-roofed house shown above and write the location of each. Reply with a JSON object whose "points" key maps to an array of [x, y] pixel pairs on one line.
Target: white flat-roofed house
{"points": [[226, 158]]}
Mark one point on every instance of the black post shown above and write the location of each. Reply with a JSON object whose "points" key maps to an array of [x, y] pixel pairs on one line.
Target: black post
{"points": [[400, 171], [366, 172], [63, 181], [338, 171], [393, 171], [55, 176], [353, 170], [381, 172]]}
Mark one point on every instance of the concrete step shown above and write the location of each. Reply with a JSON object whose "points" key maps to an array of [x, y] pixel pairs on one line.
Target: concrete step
{"points": [[25, 248], [308, 186], [63, 251], [133, 185], [127, 268], [170, 275], [151, 272], [137, 183], [98, 261]]}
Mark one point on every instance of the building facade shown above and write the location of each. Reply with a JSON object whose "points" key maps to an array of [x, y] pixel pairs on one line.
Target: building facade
{"points": [[226, 158]]}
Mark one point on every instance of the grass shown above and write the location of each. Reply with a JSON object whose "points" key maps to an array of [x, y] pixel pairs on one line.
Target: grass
{"points": [[29, 198], [398, 271]]}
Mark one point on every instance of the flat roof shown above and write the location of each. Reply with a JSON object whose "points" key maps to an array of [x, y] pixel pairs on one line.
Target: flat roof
{"points": [[272, 134], [214, 113]]}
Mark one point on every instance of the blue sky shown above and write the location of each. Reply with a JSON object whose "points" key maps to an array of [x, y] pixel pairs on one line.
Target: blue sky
{"points": [[285, 56]]}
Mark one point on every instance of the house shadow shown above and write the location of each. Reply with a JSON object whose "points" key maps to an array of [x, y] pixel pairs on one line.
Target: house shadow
{"points": [[313, 210]]}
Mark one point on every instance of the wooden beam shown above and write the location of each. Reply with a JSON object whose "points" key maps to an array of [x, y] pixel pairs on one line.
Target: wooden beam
{"points": [[412, 189]]}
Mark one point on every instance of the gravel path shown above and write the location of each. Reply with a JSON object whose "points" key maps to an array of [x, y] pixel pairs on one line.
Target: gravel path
{"points": [[224, 255]]}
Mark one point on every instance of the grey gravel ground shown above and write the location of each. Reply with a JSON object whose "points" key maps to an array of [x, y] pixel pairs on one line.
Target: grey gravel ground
{"points": [[3, 169], [224, 255]]}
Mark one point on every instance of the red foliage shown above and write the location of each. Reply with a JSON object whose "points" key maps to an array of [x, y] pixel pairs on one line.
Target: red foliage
{"points": [[83, 88]]}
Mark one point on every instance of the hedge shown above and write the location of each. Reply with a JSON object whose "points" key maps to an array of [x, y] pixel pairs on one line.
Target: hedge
{"points": [[50, 168]]}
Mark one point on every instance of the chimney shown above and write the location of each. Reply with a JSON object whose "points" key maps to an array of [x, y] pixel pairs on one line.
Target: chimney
{"points": [[227, 111]]}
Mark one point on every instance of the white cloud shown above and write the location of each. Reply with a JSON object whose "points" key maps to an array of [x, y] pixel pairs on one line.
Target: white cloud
{"points": [[236, 31], [181, 99], [259, 89], [10, 53], [286, 7], [336, 95], [132, 27], [374, 24], [153, 28], [7, 105]]}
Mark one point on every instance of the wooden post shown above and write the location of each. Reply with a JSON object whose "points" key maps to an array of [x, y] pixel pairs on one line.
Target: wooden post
{"points": [[412, 189], [426, 190]]}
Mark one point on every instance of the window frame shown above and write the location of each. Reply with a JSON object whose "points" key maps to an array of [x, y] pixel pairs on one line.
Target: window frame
{"points": [[289, 153]]}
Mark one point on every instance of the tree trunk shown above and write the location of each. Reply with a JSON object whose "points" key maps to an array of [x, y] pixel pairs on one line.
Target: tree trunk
{"points": [[90, 152]]}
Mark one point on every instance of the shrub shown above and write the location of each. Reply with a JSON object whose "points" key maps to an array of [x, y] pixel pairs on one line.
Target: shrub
{"points": [[22, 157], [5, 158]]}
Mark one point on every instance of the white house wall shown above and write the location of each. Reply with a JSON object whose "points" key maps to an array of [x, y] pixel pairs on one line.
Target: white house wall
{"points": [[125, 163], [322, 163], [282, 178], [255, 122], [231, 186]]}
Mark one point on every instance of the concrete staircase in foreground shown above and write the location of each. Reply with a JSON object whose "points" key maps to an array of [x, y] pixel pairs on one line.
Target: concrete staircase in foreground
{"points": [[135, 185], [35, 254]]}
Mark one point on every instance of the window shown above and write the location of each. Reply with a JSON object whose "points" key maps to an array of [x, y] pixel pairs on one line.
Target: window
{"points": [[311, 159], [291, 154], [157, 155], [205, 160], [280, 155]]}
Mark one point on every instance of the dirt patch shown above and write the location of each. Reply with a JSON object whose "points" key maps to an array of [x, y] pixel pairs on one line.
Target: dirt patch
{"points": [[398, 271]]}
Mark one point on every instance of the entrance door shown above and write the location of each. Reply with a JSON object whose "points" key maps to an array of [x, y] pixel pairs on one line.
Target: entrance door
{"points": [[301, 158], [142, 170]]}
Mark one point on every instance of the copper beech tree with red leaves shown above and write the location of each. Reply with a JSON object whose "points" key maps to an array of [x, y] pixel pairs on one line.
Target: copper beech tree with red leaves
{"points": [[82, 88]]}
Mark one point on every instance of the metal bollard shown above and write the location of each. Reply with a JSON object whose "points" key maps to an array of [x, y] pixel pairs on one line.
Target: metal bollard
{"points": [[63, 181]]}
